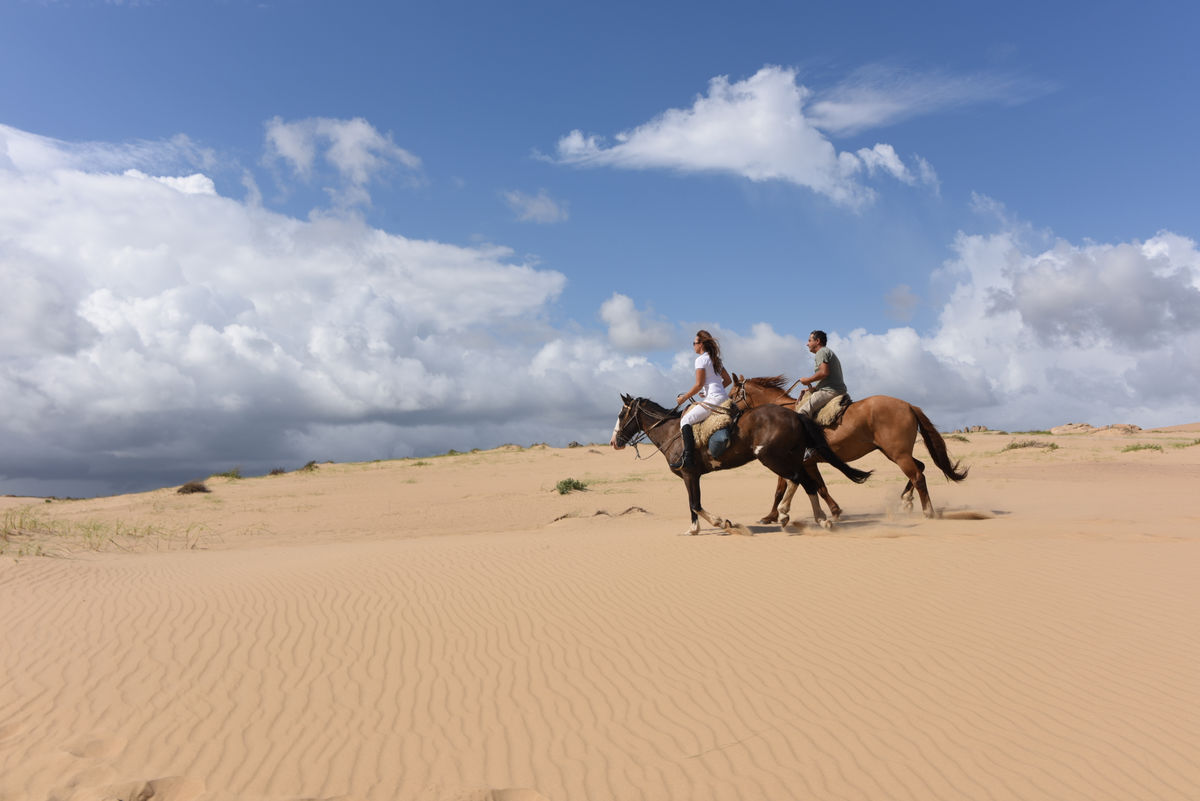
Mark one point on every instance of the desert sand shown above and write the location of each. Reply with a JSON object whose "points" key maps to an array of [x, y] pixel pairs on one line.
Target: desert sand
{"points": [[453, 628]]}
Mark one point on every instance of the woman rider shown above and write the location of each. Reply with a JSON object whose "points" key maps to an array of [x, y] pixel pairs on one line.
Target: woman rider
{"points": [[711, 380]]}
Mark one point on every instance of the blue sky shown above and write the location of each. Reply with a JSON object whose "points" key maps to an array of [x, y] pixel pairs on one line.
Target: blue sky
{"points": [[255, 234]]}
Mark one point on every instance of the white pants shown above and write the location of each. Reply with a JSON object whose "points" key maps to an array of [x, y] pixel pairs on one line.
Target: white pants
{"points": [[695, 414]]}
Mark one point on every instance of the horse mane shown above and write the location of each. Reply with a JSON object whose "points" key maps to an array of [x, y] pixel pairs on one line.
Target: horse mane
{"points": [[654, 407], [769, 382]]}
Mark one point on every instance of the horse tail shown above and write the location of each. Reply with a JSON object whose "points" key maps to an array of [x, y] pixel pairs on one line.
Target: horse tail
{"points": [[816, 438], [937, 447]]}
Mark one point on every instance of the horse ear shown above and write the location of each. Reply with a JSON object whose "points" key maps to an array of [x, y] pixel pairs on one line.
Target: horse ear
{"points": [[625, 398]]}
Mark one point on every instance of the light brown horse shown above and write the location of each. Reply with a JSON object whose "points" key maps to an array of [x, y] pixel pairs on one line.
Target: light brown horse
{"points": [[774, 436], [878, 423]]}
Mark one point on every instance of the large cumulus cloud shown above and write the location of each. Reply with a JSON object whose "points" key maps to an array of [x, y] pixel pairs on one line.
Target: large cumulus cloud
{"points": [[158, 328]]}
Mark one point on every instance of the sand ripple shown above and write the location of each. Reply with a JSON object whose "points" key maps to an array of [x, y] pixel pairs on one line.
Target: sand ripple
{"points": [[603, 664]]}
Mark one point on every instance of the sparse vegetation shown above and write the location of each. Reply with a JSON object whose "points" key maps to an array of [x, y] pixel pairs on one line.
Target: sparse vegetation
{"points": [[276, 471], [570, 485], [26, 533], [308, 468], [192, 487], [235, 473], [421, 463], [1033, 433], [1029, 443], [1188, 444], [1142, 446], [958, 437]]}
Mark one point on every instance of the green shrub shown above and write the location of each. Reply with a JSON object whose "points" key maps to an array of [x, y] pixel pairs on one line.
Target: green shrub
{"points": [[1143, 446], [1029, 443], [569, 485]]}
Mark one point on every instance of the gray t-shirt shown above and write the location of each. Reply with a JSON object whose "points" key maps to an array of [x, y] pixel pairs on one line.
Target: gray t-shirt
{"points": [[834, 380]]}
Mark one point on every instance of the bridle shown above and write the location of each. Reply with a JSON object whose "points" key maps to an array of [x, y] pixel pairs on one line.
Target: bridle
{"points": [[635, 409]]}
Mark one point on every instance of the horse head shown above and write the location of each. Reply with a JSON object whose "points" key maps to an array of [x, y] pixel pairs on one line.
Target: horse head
{"points": [[738, 392], [627, 425]]}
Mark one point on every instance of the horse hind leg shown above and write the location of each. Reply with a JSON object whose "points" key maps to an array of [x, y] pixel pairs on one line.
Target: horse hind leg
{"points": [[781, 489], [906, 494], [814, 471], [916, 477], [795, 475]]}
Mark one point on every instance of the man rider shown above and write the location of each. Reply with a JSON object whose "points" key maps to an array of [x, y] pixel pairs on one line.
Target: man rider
{"points": [[826, 382]]}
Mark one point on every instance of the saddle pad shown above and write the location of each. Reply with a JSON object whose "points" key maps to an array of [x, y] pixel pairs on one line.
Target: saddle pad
{"points": [[712, 424], [829, 415]]}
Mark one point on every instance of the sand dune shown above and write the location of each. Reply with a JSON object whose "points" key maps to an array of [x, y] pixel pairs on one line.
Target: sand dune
{"points": [[454, 629]]}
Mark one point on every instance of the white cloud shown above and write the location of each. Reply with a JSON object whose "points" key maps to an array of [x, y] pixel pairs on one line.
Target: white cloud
{"points": [[757, 128], [631, 329], [152, 329], [354, 149], [195, 184], [1072, 332], [1029, 337], [539, 208]]}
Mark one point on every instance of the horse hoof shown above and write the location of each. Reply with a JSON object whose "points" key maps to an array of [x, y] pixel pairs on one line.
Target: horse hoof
{"points": [[770, 519], [907, 506], [783, 521], [827, 525]]}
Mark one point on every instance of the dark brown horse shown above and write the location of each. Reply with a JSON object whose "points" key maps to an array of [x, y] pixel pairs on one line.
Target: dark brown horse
{"points": [[774, 436], [878, 423]]}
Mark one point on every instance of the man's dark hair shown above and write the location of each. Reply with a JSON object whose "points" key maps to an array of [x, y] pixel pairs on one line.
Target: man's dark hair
{"points": [[820, 335]]}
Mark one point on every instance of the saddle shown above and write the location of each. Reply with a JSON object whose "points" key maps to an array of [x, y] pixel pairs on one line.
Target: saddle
{"points": [[829, 415], [714, 427]]}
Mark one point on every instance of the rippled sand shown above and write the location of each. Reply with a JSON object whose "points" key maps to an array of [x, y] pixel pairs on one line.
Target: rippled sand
{"points": [[454, 628]]}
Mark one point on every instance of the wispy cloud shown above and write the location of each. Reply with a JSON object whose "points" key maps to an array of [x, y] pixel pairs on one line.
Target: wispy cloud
{"points": [[357, 153], [877, 95], [539, 208]]}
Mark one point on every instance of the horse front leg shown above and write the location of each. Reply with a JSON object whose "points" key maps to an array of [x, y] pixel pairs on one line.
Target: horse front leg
{"points": [[698, 511], [692, 482]]}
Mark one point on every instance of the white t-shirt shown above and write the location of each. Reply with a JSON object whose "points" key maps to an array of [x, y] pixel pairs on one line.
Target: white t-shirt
{"points": [[713, 390]]}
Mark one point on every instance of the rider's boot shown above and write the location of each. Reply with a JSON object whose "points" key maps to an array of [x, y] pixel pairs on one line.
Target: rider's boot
{"points": [[688, 460]]}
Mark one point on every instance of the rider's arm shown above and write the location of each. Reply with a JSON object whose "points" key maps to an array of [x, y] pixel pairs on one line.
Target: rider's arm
{"points": [[681, 397], [822, 372]]}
